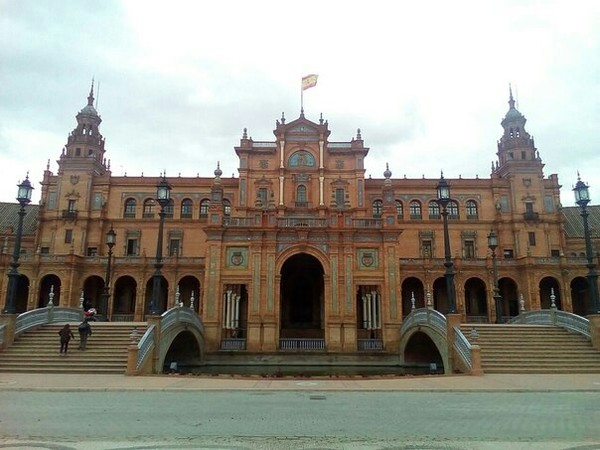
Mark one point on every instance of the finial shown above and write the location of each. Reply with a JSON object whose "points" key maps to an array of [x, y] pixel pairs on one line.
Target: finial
{"points": [[358, 136], [91, 96], [218, 172], [321, 119], [387, 173], [48, 166], [245, 135], [511, 100], [302, 112], [283, 118], [442, 174]]}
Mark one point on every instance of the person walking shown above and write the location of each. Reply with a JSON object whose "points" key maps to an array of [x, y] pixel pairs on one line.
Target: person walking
{"points": [[66, 335], [85, 330]]}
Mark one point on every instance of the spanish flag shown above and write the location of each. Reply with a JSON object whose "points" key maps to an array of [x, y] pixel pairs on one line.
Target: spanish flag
{"points": [[309, 81]]}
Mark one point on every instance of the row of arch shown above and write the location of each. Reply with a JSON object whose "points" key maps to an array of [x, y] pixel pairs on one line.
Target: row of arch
{"points": [[123, 301]]}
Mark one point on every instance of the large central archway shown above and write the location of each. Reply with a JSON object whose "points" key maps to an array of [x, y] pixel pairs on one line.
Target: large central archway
{"points": [[301, 294]]}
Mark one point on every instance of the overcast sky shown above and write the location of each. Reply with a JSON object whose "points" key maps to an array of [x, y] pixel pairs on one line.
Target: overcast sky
{"points": [[426, 82]]}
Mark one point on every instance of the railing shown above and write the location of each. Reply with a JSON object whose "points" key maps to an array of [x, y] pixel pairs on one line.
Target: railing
{"points": [[69, 214], [366, 223], [308, 222], [531, 216], [122, 317], [238, 221], [563, 319], [178, 315], [145, 346], [370, 344], [233, 344], [301, 344], [425, 316], [462, 347], [41, 316], [477, 319]]}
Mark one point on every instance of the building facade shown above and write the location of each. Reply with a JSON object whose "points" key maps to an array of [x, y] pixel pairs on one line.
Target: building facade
{"points": [[300, 246]]}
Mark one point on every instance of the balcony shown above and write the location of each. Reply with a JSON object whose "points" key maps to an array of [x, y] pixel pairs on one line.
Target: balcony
{"points": [[70, 214], [530, 215], [366, 223], [308, 222]]}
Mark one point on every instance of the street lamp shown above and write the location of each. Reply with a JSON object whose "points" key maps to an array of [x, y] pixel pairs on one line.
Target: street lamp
{"points": [[443, 198], [111, 240], [163, 193], [582, 198], [24, 198], [493, 245]]}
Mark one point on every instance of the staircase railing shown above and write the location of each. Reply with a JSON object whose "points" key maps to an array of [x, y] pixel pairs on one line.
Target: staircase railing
{"points": [[563, 319], [145, 346], [463, 347], [42, 316]]}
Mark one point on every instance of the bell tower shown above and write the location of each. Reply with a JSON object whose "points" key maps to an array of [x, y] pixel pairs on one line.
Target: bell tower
{"points": [[516, 148]]}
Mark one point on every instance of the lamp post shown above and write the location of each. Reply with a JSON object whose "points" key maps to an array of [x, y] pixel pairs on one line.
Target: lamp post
{"points": [[443, 198], [582, 198], [493, 245], [111, 240], [163, 193], [24, 198]]}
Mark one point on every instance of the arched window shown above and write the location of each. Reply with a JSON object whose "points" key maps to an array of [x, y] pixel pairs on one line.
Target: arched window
{"points": [[149, 208], [415, 210], [130, 205], [452, 210], [399, 209], [204, 204], [186, 208], [377, 208], [301, 195], [434, 210], [226, 207], [471, 208], [302, 158]]}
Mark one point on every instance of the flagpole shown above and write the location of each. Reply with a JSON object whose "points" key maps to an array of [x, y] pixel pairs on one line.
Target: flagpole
{"points": [[301, 99]]}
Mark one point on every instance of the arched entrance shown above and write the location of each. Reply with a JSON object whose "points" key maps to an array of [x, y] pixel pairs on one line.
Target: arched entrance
{"points": [[440, 295], [189, 286], [422, 354], [548, 287], [124, 298], [22, 294], [301, 297], [580, 296], [162, 295], [92, 294], [49, 284], [412, 286], [476, 300], [510, 297]]}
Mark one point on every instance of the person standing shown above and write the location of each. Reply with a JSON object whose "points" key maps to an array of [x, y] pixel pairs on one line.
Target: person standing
{"points": [[85, 331], [66, 335]]}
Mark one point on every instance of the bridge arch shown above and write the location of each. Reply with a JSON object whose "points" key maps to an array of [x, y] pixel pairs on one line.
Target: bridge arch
{"points": [[423, 344]]}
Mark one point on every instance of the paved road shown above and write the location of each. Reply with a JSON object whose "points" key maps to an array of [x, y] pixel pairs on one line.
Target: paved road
{"points": [[300, 419]]}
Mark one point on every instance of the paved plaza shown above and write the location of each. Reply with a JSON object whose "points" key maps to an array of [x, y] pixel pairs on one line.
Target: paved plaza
{"points": [[101, 412]]}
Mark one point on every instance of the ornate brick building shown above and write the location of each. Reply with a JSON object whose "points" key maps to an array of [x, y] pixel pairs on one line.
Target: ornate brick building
{"points": [[300, 246]]}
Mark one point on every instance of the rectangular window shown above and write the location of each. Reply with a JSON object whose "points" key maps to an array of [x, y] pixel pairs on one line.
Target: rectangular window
{"points": [[555, 253], [72, 206], [97, 200], [531, 235], [92, 251], [68, 236], [469, 249], [426, 248], [45, 250], [508, 253], [262, 196], [174, 245], [339, 198], [132, 247], [529, 207]]}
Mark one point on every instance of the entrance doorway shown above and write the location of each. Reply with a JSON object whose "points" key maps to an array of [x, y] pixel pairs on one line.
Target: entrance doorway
{"points": [[301, 294]]}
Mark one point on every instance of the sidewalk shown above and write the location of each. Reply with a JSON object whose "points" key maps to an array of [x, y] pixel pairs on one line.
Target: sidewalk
{"points": [[441, 383]]}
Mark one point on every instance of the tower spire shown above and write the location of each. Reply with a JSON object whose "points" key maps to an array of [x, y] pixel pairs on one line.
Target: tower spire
{"points": [[511, 100], [91, 96]]}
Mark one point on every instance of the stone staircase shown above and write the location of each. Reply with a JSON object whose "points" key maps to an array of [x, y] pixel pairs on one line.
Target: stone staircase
{"points": [[532, 349], [38, 350]]}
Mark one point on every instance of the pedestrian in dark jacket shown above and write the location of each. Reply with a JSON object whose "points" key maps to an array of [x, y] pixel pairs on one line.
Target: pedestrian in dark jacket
{"points": [[85, 330], [66, 335]]}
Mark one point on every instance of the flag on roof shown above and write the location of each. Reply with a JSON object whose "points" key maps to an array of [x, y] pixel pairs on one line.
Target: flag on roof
{"points": [[309, 81]]}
